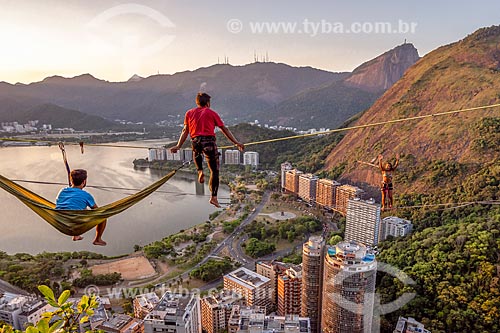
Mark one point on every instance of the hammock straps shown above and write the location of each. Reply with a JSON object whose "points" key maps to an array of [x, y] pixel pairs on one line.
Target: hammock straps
{"points": [[68, 169]]}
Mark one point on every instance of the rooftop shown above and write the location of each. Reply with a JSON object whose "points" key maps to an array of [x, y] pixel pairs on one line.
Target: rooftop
{"points": [[170, 305], [118, 321], [247, 278]]}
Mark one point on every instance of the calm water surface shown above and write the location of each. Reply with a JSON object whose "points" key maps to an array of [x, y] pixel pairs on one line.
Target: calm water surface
{"points": [[159, 215]]}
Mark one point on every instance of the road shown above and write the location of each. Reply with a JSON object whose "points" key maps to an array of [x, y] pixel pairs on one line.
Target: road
{"points": [[228, 241], [7, 287]]}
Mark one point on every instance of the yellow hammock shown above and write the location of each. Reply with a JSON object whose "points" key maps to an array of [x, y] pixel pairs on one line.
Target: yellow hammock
{"points": [[76, 222]]}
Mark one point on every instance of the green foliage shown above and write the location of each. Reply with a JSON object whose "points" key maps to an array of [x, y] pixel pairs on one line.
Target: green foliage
{"points": [[488, 139], [293, 258], [455, 269], [212, 216], [65, 318], [212, 269], [87, 278], [229, 226], [256, 248], [334, 239]]}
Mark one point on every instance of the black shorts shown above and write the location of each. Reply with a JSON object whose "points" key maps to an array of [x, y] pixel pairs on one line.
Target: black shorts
{"points": [[386, 186]]}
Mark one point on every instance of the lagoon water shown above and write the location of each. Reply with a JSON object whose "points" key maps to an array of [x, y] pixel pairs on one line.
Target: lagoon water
{"points": [[157, 216]]}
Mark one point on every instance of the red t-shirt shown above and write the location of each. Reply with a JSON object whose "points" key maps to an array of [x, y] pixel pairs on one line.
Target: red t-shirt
{"points": [[202, 121]]}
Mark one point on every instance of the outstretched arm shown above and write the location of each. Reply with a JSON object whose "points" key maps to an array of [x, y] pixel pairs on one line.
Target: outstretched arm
{"points": [[380, 157], [231, 137], [397, 162], [182, 138]]}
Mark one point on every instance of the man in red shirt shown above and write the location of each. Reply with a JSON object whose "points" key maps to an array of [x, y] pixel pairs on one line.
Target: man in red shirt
{"points": [[200, 124]]}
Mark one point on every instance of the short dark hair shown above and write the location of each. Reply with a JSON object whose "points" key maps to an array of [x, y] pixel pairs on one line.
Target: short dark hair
{"points": [[202, 99], [78, 176]]}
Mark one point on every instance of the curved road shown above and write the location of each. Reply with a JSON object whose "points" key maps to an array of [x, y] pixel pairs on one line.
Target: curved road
{"points": [[228, 241]]}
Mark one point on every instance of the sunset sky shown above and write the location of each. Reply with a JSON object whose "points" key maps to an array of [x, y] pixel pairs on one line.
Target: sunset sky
{"points": [[113, 40]]}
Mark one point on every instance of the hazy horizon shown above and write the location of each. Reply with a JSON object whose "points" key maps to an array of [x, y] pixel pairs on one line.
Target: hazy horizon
{"points": [[113, 40]]}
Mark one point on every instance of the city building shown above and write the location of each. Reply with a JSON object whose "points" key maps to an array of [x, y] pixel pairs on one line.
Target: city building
{"points": [[232, 156], [307, 187], [32, 312], [254, 320], [292, 181], [216, 310], [187, 155], [362, 221], [175, 313], [121, 323], [251, 158], [254, 288], [348, 289], [395, 227], [100, 314], [240, 314], [312, 277], [173, 156], [11, 305], [157, 154], [290, 291], [326, 190], [344, 193], [287, 166], [409, 325], [271, 270], [144, 304]]}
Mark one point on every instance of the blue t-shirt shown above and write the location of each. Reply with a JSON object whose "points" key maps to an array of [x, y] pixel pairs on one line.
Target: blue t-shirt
{"points": [[73, 198]]}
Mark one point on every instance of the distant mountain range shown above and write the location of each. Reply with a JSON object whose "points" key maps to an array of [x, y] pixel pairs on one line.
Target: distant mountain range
{"points": [[332, 104], [271, 92]]}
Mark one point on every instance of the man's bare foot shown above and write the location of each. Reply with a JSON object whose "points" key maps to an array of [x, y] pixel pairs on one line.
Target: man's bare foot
{"points": [[201, 177], [99, 242], [77, 238], [215, 202]]}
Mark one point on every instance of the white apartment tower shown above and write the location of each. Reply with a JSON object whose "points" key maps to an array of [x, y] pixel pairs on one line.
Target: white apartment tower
{"points": [[363, 221], [232, 156], [251, 158]]}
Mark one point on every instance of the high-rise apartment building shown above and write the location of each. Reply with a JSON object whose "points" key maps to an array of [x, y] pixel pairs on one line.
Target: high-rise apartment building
{"points": [[362, 221], [344, 193], [307, 187], [254, 288], [271, 270], [292, 181], [326, 190], [290, 291], [348, 289], [284, 168], [232, 156], [312, 277], [216, 310], [251, 158], [395, 227]]}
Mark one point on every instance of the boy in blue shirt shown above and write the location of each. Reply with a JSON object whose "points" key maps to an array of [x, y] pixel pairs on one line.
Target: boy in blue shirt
{"points": [[75, 198]]}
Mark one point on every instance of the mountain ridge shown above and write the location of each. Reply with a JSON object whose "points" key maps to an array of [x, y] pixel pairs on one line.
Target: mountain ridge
{"points": [[455, 76], [332, 104]]}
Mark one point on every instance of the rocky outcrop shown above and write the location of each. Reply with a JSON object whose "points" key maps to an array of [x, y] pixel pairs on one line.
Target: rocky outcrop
{"points": [[382, 72]]}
